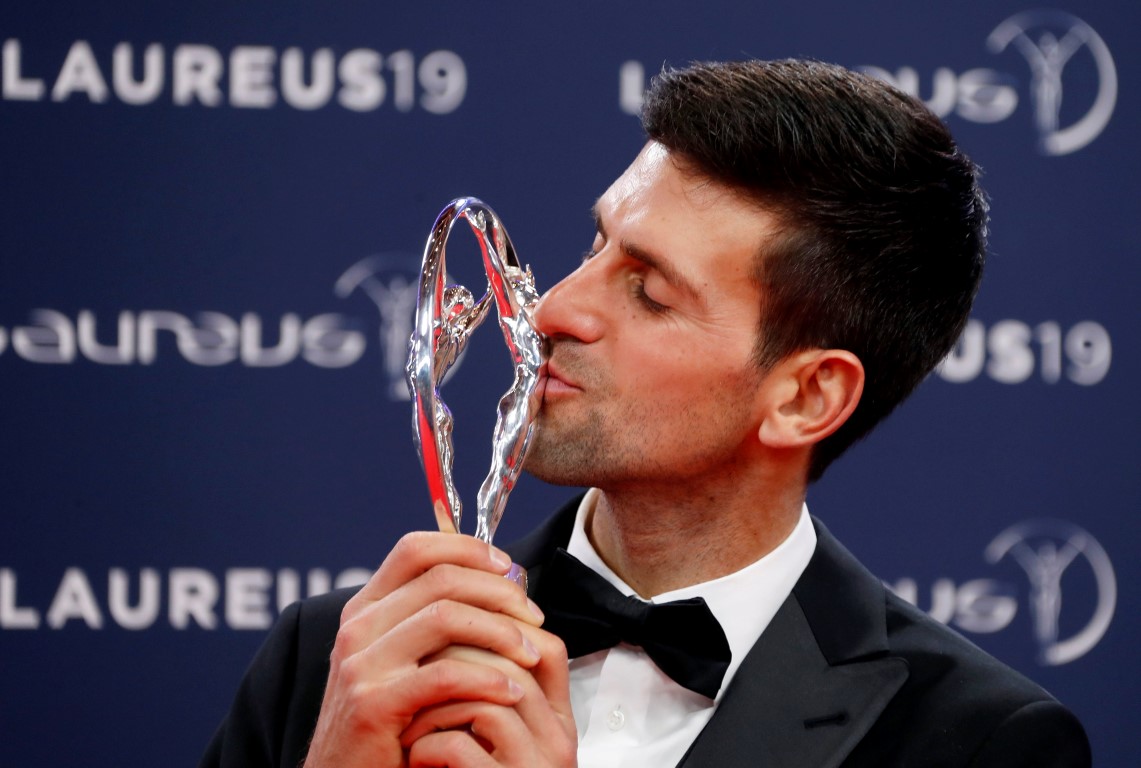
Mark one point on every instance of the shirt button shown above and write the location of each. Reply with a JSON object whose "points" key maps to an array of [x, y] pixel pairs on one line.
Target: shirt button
{"points": [[616, 719]]}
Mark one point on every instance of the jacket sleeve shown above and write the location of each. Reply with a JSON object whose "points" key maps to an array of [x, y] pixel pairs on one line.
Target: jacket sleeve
{"points": [[251, 734], [277, 703]]}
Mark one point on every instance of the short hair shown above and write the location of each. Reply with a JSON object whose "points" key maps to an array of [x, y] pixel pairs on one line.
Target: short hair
{"points": [[882, 221]]}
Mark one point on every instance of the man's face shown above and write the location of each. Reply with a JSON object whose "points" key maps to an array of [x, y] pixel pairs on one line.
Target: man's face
{"points": [[650, 376]]}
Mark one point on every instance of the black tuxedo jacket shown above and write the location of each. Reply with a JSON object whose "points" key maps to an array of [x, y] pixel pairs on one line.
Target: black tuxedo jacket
{"points": [[846, 675]]}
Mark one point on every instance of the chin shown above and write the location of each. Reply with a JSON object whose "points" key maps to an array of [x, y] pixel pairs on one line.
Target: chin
{"points": [[557, 466]]}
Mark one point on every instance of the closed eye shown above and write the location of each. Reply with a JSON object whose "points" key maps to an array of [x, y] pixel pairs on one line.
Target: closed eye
{"points": [[638, 286]]}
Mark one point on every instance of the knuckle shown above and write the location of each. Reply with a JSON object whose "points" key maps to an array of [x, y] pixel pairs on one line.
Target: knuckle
{"points": [[345, 642], [565, 752], [560, 655], [452, 744], [440, 612], [411, 546], [338, 656], [351, 609], [441, 579], [361, 706], [553, 649], [376, 576], [443, 675], [349, 671]]}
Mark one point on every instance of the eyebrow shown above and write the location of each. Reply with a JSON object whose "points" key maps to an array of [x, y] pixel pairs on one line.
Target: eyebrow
{"points": [[664, 268]]}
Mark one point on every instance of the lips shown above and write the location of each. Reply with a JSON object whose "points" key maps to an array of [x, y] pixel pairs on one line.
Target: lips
{"points": [[555, 381]]}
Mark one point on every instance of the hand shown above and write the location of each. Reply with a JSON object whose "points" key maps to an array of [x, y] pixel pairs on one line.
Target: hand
{"points": [[536, 732], [433, 591]]}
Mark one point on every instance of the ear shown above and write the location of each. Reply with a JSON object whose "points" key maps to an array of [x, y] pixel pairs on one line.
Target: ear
{"points": [[809, 395]]}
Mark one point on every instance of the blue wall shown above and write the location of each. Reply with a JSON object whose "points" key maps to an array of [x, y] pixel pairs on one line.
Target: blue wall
{"points": [[210, 216]]}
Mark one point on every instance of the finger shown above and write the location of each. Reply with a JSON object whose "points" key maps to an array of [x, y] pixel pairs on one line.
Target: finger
{"points": [[448, 623], [489, 591], [492, 724], [549, 721], [454, 749], [369, 715], [416, 552], [366, 711], [445, 680], [460, 713], [552, 673], [500, 731], [548, 711], [479, 589]]}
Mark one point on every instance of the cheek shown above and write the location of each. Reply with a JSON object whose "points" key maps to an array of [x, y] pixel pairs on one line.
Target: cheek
{"points": [[674, 362], [671, 375]]}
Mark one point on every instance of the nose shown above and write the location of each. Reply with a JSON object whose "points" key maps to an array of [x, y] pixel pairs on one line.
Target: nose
{"points": [[570, 308]]}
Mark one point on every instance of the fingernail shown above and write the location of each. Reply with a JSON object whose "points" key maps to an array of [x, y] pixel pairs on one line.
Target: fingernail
{"points": [[500, 558], [536, 610], [515, 689]]}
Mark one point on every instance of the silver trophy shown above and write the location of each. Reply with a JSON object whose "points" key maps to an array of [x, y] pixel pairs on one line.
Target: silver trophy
{"points": [[446, 316]]}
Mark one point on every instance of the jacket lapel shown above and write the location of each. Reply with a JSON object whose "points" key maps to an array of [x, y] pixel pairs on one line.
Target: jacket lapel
{"points": [[535, 549], [815, 681]]}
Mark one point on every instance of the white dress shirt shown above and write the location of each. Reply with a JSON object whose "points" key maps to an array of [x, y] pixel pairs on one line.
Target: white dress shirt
{"points": [[629, 714]]}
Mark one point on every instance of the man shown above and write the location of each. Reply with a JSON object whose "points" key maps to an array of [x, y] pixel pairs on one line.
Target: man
{"points": [[792, 251]]}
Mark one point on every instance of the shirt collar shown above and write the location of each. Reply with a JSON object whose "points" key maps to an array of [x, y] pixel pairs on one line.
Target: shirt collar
{"points": [[744, 602]]}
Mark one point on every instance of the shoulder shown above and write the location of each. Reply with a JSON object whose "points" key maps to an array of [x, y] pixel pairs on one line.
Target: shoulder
{"points": [[959, 705], [276, 705], [319, 615], [975, 707], [945, 666], [303, 636], [313, 624]]}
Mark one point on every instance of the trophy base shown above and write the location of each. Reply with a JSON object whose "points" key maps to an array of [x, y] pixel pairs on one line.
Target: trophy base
{"points": [[518, 575]]}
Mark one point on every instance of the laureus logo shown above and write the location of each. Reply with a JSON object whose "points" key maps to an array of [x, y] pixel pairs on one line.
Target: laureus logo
{"points": [[1049, 40], [1066, 57], [391, 281], [1046, 550]]}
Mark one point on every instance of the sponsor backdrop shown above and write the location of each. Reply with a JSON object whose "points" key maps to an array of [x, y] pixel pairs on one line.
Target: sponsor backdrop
{"points": [[212, 217]]}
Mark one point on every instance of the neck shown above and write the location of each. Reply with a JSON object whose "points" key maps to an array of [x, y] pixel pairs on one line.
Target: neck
{"points": [[664, 539]]}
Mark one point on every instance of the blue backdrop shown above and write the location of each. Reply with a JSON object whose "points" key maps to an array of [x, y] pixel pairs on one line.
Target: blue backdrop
{"points": [[211, 216]]}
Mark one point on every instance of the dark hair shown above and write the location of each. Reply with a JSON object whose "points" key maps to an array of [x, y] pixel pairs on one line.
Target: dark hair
{"points": [[883, 224]]}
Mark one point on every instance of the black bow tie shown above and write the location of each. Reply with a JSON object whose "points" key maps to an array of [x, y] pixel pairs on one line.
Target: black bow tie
{"points": [[683, 638]]}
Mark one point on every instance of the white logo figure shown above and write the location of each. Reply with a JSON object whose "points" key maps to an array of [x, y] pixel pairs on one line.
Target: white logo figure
{"points": [[1045, 549], [1048, 40], [390, 280]]}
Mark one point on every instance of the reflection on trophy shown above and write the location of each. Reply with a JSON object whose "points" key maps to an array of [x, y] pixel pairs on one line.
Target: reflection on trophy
{"points": [[446, 316]]}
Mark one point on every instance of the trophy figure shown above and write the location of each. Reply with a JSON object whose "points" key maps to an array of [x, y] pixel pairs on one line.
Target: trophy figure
{"points": [[445, 318]]}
